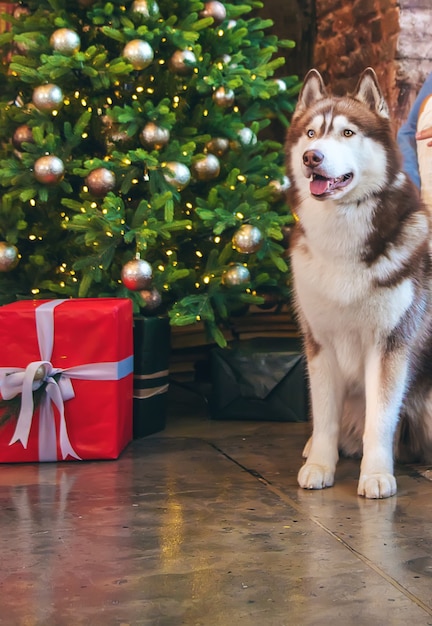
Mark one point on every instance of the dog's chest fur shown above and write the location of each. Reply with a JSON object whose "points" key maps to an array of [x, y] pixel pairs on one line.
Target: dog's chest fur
{"points": [[337, 297]]}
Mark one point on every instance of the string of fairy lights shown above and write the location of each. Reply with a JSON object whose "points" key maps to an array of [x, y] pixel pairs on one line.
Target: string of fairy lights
{"points": [[49, 169]]}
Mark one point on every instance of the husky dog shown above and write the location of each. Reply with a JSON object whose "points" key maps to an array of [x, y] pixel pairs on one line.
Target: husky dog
{"points": [[362, 274]]}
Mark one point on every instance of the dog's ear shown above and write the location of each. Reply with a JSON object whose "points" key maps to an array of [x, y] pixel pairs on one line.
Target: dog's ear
{"points": [[369, 92], [313, 90]]}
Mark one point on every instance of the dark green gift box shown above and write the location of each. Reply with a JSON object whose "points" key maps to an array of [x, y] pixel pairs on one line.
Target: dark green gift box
{"points": [[151, 357], [259, 379]]}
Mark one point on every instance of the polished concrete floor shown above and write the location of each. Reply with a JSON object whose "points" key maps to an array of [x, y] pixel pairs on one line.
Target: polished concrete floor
{"points": [[203, 525]]}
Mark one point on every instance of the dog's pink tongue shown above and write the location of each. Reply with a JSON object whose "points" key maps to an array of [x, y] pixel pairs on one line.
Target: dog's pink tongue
{"points": [[318, 186]]}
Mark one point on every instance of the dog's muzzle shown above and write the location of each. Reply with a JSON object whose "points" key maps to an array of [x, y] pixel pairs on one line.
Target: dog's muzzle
{"points": [[321, 185]]}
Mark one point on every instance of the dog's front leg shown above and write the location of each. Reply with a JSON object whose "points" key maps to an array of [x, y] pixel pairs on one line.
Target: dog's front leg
{"points": [[327, 399], [386, 375]]}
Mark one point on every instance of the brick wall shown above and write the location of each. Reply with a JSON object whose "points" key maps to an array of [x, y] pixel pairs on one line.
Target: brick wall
{"points": [[352, 35], [392, 36]]}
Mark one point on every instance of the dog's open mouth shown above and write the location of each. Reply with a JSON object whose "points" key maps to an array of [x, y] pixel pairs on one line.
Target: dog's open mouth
{"points": [[320, 185]]}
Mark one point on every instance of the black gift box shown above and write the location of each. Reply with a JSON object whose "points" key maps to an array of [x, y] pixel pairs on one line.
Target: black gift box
{"points": [[151, 357], [259, 379]]}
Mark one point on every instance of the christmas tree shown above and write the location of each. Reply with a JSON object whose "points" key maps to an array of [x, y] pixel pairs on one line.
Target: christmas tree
{"points": [[135, 158]]}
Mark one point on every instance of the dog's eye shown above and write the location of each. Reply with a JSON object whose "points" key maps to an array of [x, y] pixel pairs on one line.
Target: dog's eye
{"points": [[348, 133], [310, 133]]}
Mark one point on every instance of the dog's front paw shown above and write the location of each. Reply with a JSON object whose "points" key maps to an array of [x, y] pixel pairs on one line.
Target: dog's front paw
{"points": [[314, 476], [377, 485]]}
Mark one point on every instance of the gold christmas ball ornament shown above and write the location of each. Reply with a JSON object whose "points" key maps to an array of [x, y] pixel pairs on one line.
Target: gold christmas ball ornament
{"points": [[66, 41], [236, 274], [153, 136], [147, 8], [137, 275], [47, 97], [182, 62], [114, 135], [206, 168], [178, 175], [223, 97], [214, 9], [9, 256], [218, 146], [139, 54], [100, 181], [151, 298], [20, 12], [22, 134], [247, 239], [49, 170]]}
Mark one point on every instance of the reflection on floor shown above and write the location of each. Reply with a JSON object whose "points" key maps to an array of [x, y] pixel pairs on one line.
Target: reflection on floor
{"points": [[203, 525]]}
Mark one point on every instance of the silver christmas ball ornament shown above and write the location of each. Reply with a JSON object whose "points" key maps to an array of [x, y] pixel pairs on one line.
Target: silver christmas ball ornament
{"points": [[47, 97], [281, 84], [151, 298], [100, 181], [279, 188], [214, 9], [147, 8], [9, 256], [49, 170], [218, 146], [223, 97], [236, 274], [153, 136], [247, 239], [139, 54], [22, 134], [66, 41], [182, 62], [247, 137], [178, 175], [206, 168], [137, 275]]}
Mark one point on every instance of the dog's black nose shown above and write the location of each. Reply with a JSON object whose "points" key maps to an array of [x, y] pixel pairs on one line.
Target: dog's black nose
{"points": [[313, 158]]}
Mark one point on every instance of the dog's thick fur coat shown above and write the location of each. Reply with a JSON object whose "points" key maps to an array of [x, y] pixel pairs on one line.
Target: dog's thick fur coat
{"points": [[362, 274]]}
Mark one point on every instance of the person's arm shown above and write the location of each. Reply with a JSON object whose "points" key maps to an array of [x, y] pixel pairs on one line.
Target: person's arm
{"points": [[407, 134]]}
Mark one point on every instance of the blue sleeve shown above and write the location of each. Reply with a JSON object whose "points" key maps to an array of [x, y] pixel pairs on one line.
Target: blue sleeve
{"points": [[406, 135]]}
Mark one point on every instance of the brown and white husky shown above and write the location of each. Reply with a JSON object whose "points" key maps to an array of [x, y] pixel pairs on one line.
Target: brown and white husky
{"points": [[362, 274]]}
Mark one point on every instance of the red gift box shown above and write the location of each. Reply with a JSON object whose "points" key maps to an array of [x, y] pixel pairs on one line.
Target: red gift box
{"points": [[80, 352]]}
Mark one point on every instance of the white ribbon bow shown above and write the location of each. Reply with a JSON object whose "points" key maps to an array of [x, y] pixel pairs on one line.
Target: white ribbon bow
{"points": [[16, 380]]}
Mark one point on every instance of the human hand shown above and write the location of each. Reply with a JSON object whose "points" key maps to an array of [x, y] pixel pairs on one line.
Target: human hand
{"points": [[426, 133]]}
